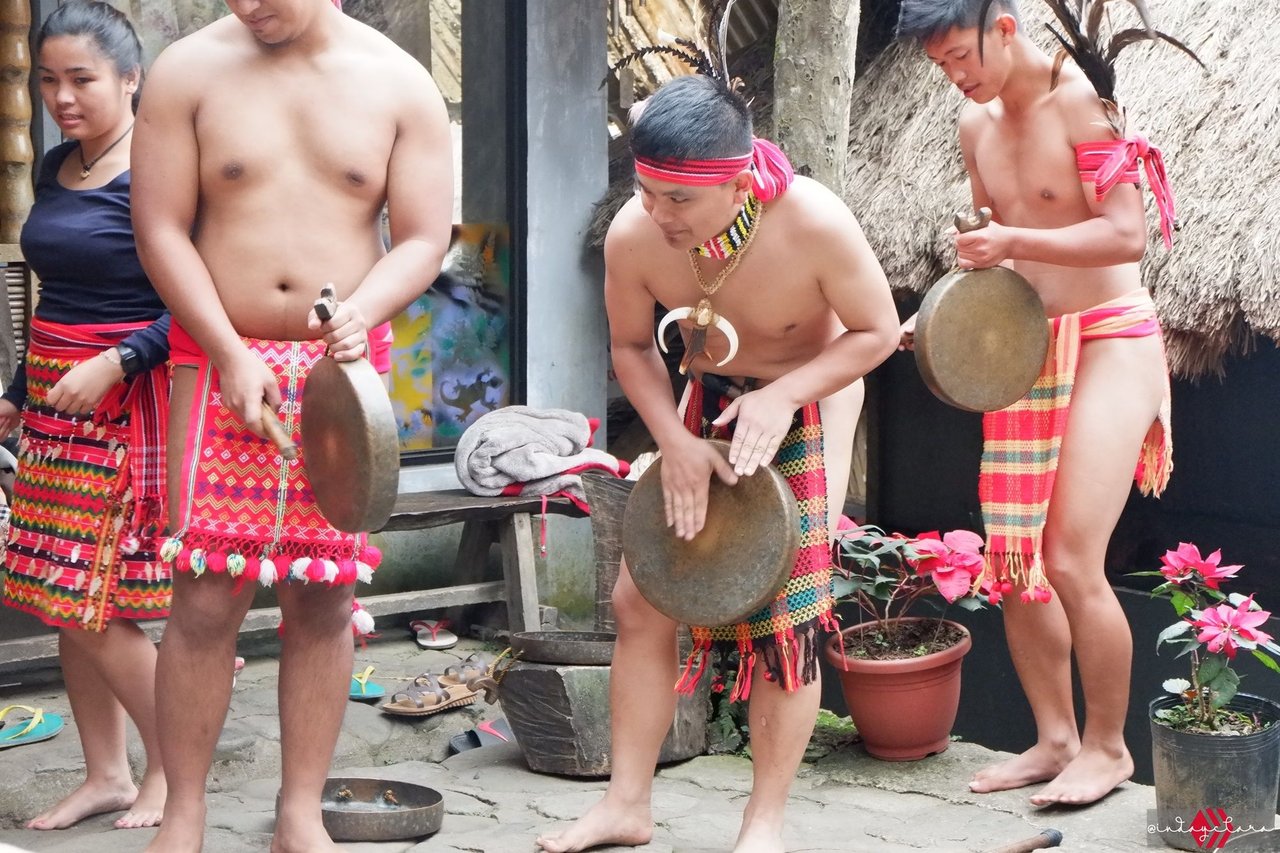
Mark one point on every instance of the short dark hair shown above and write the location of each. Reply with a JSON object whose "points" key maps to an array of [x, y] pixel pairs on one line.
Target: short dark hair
{"points": [[693, 117], [921, 20], [108, 29]]}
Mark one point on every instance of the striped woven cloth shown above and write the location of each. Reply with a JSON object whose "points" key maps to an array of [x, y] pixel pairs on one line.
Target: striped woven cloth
{"points": [[781, 636], [87, 498], [247, 511], [1021, 444]]}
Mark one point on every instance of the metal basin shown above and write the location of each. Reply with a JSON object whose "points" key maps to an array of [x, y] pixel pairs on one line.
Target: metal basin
{"points": [[356, 809], [580, 648]]}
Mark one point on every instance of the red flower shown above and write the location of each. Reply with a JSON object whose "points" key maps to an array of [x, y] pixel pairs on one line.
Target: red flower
{"points": [[1226, 629], [952, 560], [1186, 563]]}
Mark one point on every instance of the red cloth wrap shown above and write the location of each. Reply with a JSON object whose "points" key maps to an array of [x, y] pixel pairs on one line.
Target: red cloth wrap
{"points": [[1107, 162], [145, 397]]}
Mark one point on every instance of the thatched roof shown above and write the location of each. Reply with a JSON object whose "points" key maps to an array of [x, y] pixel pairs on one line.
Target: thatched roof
{"points": [[1217, 288]]}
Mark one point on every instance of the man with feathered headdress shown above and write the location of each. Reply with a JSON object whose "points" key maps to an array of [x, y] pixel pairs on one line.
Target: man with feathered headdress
{"points": [[783, 307], [1045, 149]]}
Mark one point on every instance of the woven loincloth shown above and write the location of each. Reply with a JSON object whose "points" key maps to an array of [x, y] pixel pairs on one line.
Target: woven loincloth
{"points": [[1021, 444], [781, 636], [246, 510], [81, 551]]}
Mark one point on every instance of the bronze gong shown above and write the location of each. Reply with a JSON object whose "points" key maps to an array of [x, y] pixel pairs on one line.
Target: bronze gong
{"points": [[981, 335], [738, 562], [350, 444]]}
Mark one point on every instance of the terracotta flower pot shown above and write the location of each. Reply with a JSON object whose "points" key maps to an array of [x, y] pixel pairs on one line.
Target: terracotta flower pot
{"points": [[904, 709]]}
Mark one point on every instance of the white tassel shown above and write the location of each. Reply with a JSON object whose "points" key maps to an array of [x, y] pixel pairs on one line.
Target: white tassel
{"points": [[298, 569], [361, 621], [330, 571], [267, 572]]}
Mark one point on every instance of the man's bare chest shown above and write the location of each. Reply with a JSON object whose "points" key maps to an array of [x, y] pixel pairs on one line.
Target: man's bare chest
{"points": [[764, 297], [264, 131]]}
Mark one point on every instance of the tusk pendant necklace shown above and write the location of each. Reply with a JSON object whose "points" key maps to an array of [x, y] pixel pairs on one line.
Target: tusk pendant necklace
{"points": [[703, 315]]}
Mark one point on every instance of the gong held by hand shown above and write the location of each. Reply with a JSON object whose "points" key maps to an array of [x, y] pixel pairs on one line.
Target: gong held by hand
{"points": [[981, 336]]}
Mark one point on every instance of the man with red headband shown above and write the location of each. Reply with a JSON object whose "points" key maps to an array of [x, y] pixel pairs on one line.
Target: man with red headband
{"points": [[267, 147], [784, 308]]}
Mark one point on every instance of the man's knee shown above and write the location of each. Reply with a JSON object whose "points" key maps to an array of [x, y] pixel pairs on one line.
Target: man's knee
{"points": [[633, 611], [207, 606], [316, 609]]}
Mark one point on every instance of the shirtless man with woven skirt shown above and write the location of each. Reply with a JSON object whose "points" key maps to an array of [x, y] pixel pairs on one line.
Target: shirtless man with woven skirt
{"points": [[266, 148]]}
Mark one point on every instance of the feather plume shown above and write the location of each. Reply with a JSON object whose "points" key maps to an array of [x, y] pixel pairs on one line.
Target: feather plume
{"points": [[1080, 34], [710, 59]]}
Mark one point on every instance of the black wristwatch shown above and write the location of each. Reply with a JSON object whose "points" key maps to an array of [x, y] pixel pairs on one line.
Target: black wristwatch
{"points": [[130, 359]]}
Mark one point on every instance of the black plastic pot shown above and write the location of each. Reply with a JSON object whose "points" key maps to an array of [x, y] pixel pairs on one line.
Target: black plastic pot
{"points": [[1204, 779]]}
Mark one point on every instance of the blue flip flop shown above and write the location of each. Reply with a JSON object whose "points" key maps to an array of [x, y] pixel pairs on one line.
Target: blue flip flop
{"points": [[39, 726], [362, 690]]}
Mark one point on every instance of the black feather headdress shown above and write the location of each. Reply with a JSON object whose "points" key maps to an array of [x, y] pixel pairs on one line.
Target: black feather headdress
{"points": [[711, 58], [1081, 37]]}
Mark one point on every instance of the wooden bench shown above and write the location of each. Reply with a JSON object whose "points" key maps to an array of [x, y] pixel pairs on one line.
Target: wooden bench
{"points": [[507, 522]]}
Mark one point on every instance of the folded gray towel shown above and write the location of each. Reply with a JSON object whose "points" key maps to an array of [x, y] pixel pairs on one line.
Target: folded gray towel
{"points": [[541, 450]]}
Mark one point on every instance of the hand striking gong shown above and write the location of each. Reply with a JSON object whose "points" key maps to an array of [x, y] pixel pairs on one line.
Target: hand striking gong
{"points": [[738, 562]]}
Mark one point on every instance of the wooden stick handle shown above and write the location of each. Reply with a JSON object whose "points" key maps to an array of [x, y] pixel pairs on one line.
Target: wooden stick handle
{"points": [[1046, 839], [275, 431]]}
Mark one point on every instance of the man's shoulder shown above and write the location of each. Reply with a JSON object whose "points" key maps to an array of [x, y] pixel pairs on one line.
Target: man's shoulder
{"points": [[630, 227], [203, 49], [373, 49], [808, 206]]}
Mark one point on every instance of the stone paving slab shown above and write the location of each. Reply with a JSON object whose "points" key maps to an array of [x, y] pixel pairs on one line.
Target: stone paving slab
{"points": [[846, 801]]}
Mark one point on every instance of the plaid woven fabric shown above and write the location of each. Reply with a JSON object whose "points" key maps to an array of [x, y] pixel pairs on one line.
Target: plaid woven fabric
{"points": [[782, 636], [247, 511], [1021, 444], [73, 559]]}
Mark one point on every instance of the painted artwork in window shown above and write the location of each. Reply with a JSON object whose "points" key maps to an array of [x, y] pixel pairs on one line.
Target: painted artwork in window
{"points": [[451, 361]]}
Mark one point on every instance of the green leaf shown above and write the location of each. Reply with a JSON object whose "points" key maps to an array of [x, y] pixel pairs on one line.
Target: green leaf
{"points": [[1182, 602], [1223, 688], [1177, 629], [1210, 666], [969, 602], [843, 588], [1267, 660]]}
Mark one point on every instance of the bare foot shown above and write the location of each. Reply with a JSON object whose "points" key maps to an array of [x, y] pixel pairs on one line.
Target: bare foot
{"points": [[759, 839], [181, 832], [89, 799], [605, 823], [302, 833], [295, 843], [1090, 776], [148, 808], [1040, 763]]}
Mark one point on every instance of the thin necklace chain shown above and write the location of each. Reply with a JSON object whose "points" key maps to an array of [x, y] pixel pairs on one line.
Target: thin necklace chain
{"points": [[710, 289], [85, 168]]}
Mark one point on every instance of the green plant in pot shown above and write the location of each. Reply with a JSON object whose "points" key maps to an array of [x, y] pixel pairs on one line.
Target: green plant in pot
{"points": [[1215, 750], [899, 670]]}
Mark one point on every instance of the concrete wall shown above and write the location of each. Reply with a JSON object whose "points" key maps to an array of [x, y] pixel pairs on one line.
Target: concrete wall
{"points": [[567, 174]]}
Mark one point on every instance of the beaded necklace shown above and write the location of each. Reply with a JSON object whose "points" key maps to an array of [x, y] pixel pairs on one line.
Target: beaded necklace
{"points": [[732, 240]]}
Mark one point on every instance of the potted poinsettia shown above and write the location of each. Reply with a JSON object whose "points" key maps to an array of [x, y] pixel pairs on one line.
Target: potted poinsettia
{"points": [[1216, 750], [899, 669]]}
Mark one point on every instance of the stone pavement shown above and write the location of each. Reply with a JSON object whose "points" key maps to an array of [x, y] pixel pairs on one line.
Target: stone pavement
{"points": [[844, 801]]}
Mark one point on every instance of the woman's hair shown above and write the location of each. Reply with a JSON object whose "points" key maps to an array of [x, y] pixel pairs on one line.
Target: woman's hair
{"points": [[104, 25], [692, 118]]}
